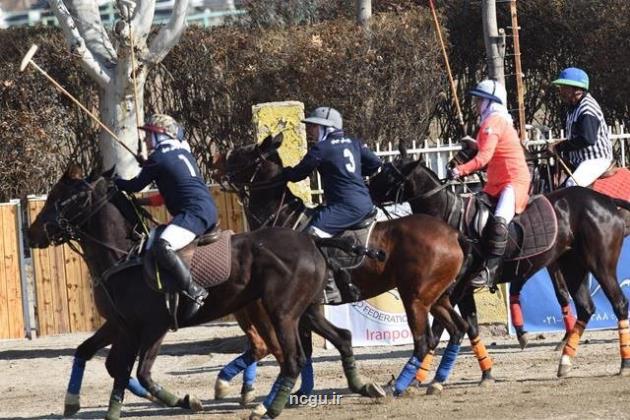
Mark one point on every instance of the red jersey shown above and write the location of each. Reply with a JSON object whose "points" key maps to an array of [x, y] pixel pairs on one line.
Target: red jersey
{"points": [[500, 149]]}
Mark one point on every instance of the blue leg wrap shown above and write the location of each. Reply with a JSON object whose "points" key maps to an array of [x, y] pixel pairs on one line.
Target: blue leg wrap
{"points": [[447, 362], [308, 378], [249, 376], [137, 389], [407, 375], [76, 377], [272, 394], [236, 366]]}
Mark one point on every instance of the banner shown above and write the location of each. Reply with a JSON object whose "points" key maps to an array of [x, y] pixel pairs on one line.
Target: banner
{"points": [[374, 322], [541, 311]]}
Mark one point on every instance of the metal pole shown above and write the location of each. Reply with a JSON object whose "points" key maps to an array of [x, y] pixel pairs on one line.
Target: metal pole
{"points": [[520, 94], [494, 40], [460, 117], [26, 308]]}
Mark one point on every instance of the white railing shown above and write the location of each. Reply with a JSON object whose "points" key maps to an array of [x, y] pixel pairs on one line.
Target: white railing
{"points": [[197, 16], [437, 153]]}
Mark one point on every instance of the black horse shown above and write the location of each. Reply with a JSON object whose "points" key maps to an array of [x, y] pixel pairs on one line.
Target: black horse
{"points": [[591, 230], [280, 267]]}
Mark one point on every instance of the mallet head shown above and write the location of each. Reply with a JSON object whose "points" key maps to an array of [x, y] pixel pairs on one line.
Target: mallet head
{"points": [[27, 58]]}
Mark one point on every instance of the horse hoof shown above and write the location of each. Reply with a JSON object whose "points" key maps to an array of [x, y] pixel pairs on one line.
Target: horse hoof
{"points": [[625, 368], [72, 405], [221, 389], [435, 388], [486, 382], [523, 340], [247, 396], [192, 403], [565, 366], [258, 412], [373, 390]]}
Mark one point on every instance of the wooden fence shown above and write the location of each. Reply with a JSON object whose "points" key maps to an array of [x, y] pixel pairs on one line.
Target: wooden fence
{"points": [[64, 302], [11, 307]]}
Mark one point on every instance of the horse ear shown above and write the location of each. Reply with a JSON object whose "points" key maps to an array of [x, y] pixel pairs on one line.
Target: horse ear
{"points": [[271, 143], [402, 149], [73, 172]]}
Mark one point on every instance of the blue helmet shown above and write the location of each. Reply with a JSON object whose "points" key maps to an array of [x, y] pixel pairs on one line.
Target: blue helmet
{"points": [[492, 90], [572, 76]]}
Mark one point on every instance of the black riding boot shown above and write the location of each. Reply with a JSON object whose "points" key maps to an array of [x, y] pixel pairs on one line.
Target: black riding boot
{"points": [[349, 292], [168, 260], [496, 242]]}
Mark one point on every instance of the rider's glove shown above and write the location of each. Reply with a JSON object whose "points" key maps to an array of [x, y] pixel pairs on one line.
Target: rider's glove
{"points": [[452, 173]]}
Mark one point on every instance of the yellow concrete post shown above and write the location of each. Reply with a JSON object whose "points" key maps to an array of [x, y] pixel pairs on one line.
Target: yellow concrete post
{"points": [[270, 118]]}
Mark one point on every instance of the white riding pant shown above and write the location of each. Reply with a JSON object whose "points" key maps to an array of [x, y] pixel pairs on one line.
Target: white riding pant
{"points": [[315, 231], [587, 172], [177, 236], [506, 206]]}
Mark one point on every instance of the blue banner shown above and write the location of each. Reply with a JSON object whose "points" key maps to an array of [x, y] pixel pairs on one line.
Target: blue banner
{"points": [[541, 311]]}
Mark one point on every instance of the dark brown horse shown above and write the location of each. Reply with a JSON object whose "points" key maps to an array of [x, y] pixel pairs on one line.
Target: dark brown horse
{"points": [[590, 234], [280, 268], [423, 254]]}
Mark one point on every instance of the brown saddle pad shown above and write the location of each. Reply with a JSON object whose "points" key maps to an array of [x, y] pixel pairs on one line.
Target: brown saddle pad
{"points": [[534, 231], [211, 264]]}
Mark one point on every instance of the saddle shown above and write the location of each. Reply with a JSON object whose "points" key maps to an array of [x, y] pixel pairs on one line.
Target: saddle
{"points": [[359, 236], [531, 233], [208, 258]]}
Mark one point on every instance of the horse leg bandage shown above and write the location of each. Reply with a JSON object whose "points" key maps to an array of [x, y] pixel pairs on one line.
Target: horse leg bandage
{"points": [[624, 339], [570, 348], [446, 364], [485, 362], [568, 318], [406, 376], [423, 372], [515, 311]]}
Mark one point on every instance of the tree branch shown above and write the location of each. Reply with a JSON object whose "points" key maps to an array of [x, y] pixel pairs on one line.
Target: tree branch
{"points": [[142, 19], [169, 34], [87, 18], [93, 65]]}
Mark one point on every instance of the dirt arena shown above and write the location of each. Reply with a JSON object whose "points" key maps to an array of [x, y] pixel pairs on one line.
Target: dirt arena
{"points": [[34, 375]]}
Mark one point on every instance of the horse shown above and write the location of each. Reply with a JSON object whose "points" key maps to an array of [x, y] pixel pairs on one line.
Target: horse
{"points": [[281, 268], [590, 233], [423, 255]]}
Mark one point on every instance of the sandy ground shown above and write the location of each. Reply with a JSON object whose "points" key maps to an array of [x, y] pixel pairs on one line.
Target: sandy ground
{"points": [[34, 374]]}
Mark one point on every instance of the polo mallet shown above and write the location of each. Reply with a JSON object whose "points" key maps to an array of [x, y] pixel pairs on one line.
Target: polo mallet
{"points": [[28, 59], [460, 117], [565, 167]]}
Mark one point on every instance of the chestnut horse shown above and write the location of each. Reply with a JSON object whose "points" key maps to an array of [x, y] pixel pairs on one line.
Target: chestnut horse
{"points": [[591, 231], [423, 255], [280, 268]]}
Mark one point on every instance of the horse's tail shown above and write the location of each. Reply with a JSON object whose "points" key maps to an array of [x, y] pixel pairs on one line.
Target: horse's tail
{"points": [[625, 207]]}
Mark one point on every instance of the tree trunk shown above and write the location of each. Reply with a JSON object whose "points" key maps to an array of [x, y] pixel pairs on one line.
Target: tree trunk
{"points": [[364, 12], [494, 41], [118, 112]]}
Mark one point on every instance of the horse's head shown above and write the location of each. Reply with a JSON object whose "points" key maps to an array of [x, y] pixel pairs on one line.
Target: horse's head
{"points": [[70, 203], [389, 183], [253, 163]]}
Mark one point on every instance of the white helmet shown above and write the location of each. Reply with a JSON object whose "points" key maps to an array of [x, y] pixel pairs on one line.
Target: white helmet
{"points": [[492, 90], [326, 116]]}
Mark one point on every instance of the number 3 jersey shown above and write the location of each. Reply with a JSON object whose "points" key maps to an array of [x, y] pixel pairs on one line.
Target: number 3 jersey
{"points": [[175, 171], [342, 163]]}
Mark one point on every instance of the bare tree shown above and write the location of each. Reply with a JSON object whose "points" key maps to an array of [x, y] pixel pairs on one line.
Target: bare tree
{"points": [[107, 57]]}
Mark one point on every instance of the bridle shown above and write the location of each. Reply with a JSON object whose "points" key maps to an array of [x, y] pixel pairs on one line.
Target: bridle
{"points": [[244, 190], [73, 213]]}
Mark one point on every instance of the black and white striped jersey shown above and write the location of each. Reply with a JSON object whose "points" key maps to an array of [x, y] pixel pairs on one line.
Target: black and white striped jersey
{"points": [[587, 132]]}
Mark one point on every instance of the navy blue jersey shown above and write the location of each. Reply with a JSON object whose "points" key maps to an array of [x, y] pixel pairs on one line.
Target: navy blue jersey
{"points": [[178, 179], [342, 163]]}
